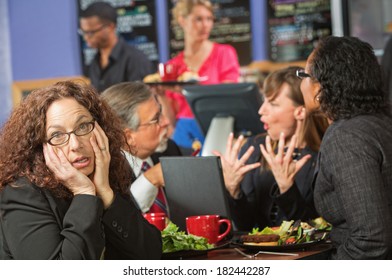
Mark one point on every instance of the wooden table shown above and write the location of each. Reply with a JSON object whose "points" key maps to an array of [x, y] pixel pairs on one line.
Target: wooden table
{"points": [[316, 252]]}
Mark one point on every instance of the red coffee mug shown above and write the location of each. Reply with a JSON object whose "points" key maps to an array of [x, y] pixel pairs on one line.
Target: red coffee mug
{"points": [[156, 219], [207, 226], [168, 72]]}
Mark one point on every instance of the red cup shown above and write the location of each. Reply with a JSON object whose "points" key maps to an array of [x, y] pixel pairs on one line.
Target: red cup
{"points": [[168, 72], [207, 226], [156, 219]]}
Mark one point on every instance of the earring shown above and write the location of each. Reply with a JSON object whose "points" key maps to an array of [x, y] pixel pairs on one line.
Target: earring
{"points": [[318, 98]]}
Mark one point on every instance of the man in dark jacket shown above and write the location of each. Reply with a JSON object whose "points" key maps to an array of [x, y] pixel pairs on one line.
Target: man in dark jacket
{"points": [[116, 61]]}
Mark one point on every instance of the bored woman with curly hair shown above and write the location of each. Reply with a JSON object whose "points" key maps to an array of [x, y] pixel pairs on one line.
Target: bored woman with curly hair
{"points": [[64, 181]]}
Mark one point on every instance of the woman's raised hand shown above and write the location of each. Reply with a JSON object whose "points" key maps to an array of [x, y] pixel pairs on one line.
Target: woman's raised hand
{"points": [[282, 164], [234, 168], [69, 176], [100, 143]]}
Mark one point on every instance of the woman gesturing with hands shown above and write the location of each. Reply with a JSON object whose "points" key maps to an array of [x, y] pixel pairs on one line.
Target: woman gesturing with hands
{"points": [[283, 164], [234, 168], [265, 185]]}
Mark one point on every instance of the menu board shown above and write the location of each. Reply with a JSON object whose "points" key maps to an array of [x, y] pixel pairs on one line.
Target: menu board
{"points": [[136, 23], [295, 26], [232, 26]]}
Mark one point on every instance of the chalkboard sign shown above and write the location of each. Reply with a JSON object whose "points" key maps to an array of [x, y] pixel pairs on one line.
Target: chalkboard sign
{"points": [[136, 23], [295, 26], [232, 26]]}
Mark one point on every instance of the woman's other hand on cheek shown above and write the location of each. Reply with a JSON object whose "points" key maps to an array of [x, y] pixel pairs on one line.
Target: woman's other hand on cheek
{"points": [[70, 177], [100, 144]]}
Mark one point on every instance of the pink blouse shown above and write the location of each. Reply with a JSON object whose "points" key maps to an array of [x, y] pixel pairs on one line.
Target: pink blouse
{"points": [[220, 66]]}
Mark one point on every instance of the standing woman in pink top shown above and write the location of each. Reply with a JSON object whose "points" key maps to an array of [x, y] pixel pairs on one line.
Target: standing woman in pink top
{"points": [[215, 63]]}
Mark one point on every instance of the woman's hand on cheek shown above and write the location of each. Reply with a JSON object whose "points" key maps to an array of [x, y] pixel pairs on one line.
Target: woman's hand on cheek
{"points": [[63, 170], [100, 144]]}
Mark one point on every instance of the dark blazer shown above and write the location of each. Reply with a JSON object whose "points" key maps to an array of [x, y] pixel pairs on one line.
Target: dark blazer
{"points": [[353, 188], [259, 194], [171, 150], [34, 224]]}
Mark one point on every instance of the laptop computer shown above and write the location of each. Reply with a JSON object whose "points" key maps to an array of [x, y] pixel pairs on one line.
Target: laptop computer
{"points": [[194, 186]]}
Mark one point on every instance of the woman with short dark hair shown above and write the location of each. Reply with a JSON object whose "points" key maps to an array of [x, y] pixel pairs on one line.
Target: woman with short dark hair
{"points": [[353, 187]]}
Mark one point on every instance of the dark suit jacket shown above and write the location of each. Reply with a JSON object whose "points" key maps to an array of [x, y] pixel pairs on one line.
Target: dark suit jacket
{"points": [[259, 193], [36, 225], [353, 188], [171, 150]]}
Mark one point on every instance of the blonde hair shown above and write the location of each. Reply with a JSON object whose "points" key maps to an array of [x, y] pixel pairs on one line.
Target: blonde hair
{"points": [[183, 8]]}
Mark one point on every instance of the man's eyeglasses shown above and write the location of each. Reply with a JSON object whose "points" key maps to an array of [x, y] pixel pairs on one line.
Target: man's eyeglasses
{"points": [[156, 120], [91, 32], [302, 74], [60, 138]]}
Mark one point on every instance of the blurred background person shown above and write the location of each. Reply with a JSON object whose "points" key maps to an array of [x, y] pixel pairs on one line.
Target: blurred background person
{"points": [[145, 129], [214, 63], [116, 61], [64, 184], [257, 198]]}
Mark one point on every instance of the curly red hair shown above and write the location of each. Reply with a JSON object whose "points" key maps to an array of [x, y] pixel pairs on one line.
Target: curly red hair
{"points": [[21, 139]]}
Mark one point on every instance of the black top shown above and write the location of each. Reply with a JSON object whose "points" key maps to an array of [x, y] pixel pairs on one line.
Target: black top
{"points": [[36, 225], [126, 64], [260, 194]]}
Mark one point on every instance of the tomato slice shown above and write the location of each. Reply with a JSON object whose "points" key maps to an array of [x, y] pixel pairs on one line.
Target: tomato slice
{"points": [[290, 240]]}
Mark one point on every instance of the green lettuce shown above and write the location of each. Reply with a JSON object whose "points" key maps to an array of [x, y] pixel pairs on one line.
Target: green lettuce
{"points": [[174, 240]]}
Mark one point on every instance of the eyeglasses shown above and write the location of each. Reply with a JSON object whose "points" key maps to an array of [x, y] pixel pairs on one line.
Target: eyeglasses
{"points": [[156, 120], [91, 32], [302, 74], [60, 138]]}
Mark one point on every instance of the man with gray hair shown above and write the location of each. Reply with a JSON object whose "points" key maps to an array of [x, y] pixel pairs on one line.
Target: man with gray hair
{"points": [[145, 128]]}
